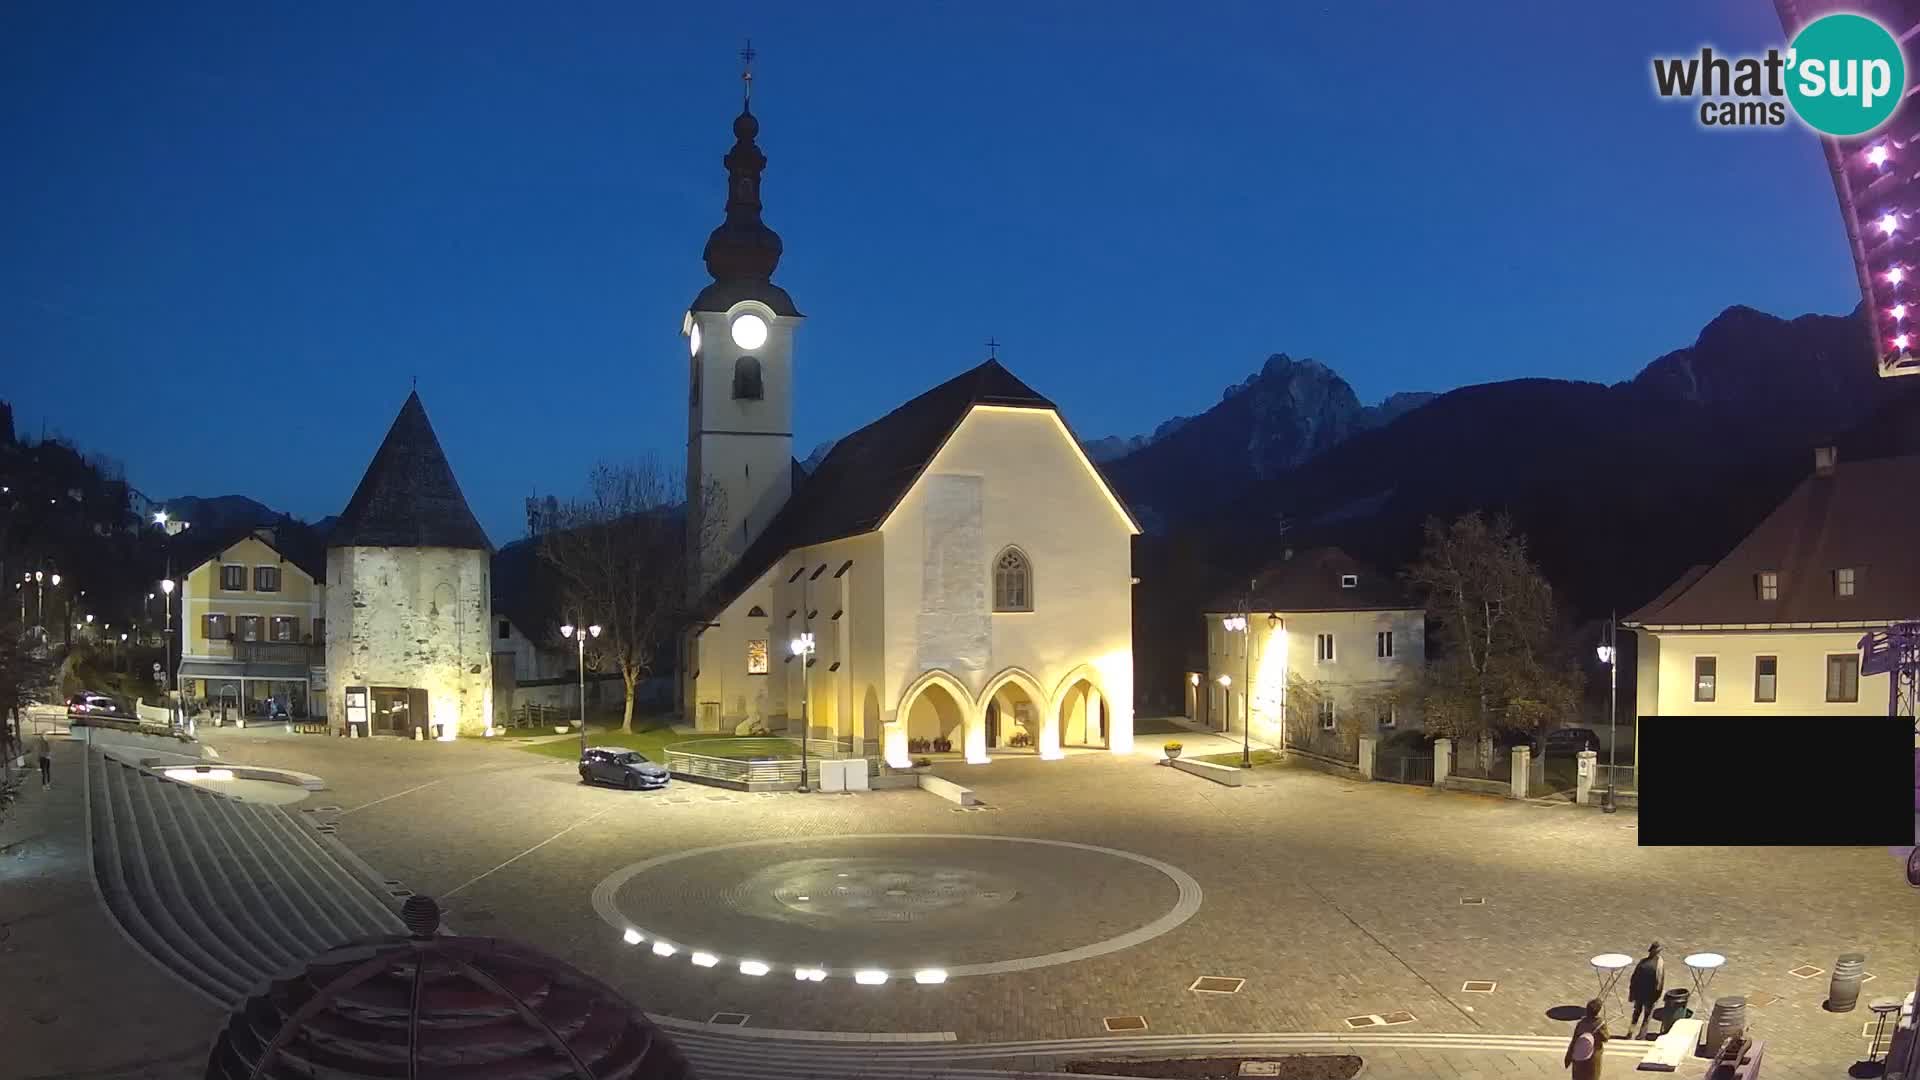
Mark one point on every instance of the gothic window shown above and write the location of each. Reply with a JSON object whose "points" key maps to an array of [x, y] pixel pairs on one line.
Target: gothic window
{"points": [[746, 379], [1012, 581]]}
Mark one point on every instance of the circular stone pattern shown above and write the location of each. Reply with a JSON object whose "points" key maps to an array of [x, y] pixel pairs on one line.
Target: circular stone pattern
{"points": [[965, 904]]}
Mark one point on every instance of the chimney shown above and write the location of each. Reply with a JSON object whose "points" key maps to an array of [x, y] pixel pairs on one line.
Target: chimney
{"points": [[264, 534], [1824, 459]]}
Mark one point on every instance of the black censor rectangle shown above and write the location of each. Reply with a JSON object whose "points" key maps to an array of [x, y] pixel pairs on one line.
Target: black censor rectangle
{"points": [[1748, 781]]}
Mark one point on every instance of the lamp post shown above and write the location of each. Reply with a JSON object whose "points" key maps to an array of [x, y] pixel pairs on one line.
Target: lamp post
{"points": [[125, 660], [1239, 623], [40, 599], [580, 634], [1610, 657], [166, 675], [802, 647]]}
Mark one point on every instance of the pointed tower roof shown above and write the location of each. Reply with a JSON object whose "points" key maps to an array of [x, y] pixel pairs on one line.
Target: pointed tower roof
{"points": [[741, 254], [409, 498]]}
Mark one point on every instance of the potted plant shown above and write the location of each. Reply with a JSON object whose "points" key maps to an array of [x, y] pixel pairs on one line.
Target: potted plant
{"points": [[923, 763], [943, 746], [1172, 750]]}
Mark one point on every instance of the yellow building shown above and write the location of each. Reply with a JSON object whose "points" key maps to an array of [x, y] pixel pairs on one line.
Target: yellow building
{"points": [[252, 622], [1775, 627]]}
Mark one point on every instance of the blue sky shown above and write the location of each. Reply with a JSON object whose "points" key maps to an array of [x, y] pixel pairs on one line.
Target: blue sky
{"points": [[231, 234]]}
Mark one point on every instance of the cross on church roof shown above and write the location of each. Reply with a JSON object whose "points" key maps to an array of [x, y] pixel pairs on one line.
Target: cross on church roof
{"points": [[993, 349], [746, 71]]}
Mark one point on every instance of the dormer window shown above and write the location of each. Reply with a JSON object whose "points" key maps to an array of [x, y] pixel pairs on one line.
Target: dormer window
{"points": [[746, 379], [1766, 584], [1843, 581], [1349, 581]]}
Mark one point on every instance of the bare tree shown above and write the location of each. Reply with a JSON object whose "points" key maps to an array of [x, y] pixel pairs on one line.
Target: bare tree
{"points": [[1494, 617], [620, 555]]}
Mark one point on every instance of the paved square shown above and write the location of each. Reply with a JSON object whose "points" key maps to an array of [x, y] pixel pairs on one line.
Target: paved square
{"points": [[1333, 899]]}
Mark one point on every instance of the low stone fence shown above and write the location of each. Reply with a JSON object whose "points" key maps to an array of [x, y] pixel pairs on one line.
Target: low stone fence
{"points": [[947, 789], [1229, 775], [1334, 765]]}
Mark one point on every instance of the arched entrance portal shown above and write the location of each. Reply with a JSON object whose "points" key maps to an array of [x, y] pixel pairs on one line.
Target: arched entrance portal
{"points": [[1084, 717], [936, 714], [1015, 710]]}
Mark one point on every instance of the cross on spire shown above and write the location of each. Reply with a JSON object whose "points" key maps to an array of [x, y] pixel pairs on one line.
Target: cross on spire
{"points": [[746, 73], [993, 349]]}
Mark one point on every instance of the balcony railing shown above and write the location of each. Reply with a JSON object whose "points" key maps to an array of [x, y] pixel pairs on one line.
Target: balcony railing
{"points": [[262, 652]]}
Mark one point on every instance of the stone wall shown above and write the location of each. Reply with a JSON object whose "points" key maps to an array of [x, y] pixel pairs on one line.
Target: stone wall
{"points": [[412, 617]]}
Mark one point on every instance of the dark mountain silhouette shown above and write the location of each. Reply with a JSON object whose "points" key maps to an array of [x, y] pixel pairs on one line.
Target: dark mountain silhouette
{"points": [[1619, 489]]}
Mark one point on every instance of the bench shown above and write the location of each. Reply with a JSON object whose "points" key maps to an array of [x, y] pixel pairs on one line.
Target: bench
{"points": [[1674, 1047], [947, 790], [1230, 775]]}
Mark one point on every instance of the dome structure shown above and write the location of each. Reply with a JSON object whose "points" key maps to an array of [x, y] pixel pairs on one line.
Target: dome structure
{"points": [[433, 1007]]}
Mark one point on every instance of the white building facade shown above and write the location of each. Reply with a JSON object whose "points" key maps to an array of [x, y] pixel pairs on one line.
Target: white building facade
{"points": [[961, 570]]}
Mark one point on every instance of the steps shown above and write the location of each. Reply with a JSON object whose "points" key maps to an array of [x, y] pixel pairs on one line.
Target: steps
{"points": [[224, 894]]}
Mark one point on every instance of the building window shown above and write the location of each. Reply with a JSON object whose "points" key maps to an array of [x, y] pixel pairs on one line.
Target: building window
{"points": [[1012, 581], [746, 379], [285, 628], [214, 627], [249, 627], [1843, 581], [1389, 714], [233, 578], [266, 579], [1383, 644], [1843, 678], [1767, 584], [506, 630], [1766, 678], [1704, 669], [1328, 715], [1323, 648], [757, 656], [1349, 581]]}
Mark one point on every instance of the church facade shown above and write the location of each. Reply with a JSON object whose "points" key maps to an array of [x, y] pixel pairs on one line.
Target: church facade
{"points": [[955, 575]]}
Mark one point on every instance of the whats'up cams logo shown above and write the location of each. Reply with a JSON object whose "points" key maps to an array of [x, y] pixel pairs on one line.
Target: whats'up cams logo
{"points": [[1841, 75]]}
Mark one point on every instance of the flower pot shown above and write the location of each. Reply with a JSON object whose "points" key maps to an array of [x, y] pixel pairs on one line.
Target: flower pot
{"points": [[1172, 752]]}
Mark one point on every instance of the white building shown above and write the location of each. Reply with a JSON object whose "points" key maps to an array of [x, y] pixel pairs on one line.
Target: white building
{"points": [[409, 609], [1775, 626], [1318, 624], [962, 569]]}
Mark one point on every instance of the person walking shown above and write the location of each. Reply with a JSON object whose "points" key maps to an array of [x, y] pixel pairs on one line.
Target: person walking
{"points": [[44, 751], [1584, 1049], [1643, 989]]}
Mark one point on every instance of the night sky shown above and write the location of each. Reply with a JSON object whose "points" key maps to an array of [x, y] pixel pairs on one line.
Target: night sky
{"points": [[231, 234]]}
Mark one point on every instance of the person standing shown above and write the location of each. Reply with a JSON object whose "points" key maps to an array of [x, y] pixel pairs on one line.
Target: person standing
{"points": [[44, 751], [1589, 1040], [1643, 989]]}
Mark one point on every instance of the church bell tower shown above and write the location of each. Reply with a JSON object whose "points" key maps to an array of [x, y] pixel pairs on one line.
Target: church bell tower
{"points": [[739, 334]]}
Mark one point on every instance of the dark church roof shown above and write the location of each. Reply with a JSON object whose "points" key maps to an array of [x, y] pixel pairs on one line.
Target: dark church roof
{"points": [[409, 498], [1313, 580], [867, 473], [1861, 516]]}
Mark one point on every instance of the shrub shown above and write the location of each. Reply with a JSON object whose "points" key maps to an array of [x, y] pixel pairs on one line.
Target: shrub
{"points": [[1020, 738], [922, 763], [942, 746], [1172, 747]]}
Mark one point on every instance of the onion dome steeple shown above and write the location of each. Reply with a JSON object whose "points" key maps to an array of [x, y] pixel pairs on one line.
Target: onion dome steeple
{"points": [[742, 253]]}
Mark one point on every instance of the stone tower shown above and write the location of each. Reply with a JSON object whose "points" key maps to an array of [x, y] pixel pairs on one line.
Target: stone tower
{"points": [[739, 334], [408, 600]]}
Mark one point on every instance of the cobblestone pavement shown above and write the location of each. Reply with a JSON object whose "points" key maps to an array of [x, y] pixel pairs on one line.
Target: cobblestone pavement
{"points": [[1333, 899]]}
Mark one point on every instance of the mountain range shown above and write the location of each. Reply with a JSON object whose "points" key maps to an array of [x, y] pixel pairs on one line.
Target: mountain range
{"points": [[1619, 488]]}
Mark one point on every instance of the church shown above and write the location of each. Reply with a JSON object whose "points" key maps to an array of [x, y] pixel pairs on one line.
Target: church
{"points": [[955, 575]]}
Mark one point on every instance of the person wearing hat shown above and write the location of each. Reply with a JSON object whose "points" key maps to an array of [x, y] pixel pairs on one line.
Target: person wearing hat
{"points": [[1643, 989], [1589, 1039]]}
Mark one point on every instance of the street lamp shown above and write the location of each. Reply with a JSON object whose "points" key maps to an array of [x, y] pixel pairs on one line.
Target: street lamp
{"points": [[1610, 656], [1238, 623], [802, 647], [580, 634], [166, 680]]}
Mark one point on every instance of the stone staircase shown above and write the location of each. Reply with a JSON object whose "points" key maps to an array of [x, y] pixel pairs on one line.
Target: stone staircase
{"points": [[224, 894]]}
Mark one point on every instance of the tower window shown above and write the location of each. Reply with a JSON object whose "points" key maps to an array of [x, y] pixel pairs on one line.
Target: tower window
{"points": [[1012, 581], [1843, 581], [746, 379]]}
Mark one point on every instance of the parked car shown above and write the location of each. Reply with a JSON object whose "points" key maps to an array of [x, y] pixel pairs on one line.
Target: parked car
{"points": [[1566, 741], [89, 703], [629, 769]]}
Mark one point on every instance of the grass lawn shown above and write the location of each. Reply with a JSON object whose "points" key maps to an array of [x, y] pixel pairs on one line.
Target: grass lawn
{"points": [[650, 736], [1260, 757]]}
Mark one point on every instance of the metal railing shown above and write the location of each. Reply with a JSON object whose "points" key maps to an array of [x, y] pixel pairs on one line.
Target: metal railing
{"points": [[751, 760], [1623, 776], [1404, 768]]}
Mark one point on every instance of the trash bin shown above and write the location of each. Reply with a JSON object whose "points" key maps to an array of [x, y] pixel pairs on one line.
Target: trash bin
{"points": [[1673, 1008], [1843, 993]]}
